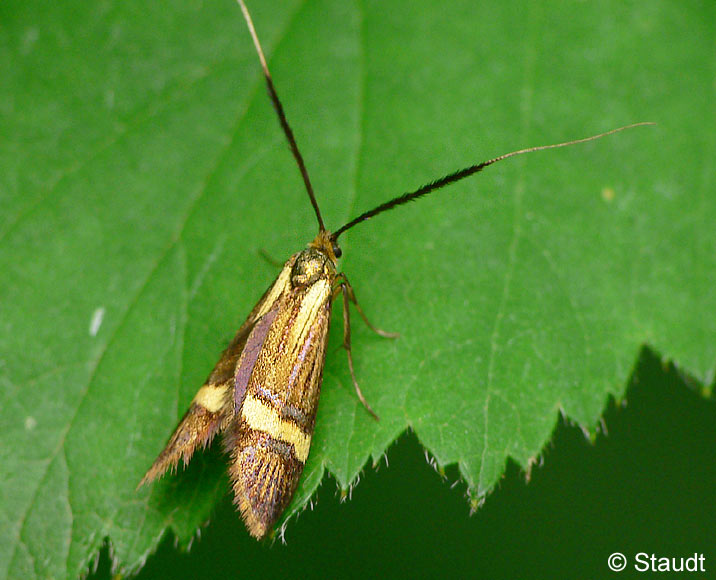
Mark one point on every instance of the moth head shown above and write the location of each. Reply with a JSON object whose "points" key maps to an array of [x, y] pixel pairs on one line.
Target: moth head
{"points": [[326, 243], [310, 266]]}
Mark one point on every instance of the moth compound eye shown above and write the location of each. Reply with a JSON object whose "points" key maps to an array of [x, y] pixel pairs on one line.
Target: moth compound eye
{"points": [[337, 251]]}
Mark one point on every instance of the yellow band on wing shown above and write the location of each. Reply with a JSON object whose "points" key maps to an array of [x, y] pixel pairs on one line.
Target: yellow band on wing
{"points": [[312, 302], [276, 290], [211, 397], [265, 418]]}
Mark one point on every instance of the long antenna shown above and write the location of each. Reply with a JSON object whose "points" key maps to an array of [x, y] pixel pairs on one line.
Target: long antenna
{"points": [[462, 174], [282, 115]]}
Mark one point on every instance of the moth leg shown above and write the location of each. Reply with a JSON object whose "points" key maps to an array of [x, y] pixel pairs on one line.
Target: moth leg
{"points": [[344, 287], [270, 259], [347, 290]]}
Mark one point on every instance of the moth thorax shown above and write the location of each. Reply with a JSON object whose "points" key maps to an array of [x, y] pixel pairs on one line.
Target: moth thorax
{"points": [[311, 265]]}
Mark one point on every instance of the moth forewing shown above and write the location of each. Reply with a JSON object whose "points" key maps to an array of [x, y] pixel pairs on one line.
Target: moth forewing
{"points": [[263, 392], [211, 408], [270, 436]]}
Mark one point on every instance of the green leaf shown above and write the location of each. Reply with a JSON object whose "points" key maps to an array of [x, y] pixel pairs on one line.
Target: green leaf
{"points": [[142, 171]]}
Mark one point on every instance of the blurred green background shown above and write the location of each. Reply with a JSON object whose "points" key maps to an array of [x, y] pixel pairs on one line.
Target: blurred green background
{"points": [[645, 486]]}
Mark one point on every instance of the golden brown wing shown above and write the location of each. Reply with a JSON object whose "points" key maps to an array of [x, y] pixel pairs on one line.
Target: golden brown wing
{"points": [[270, 435], [212, 408]]}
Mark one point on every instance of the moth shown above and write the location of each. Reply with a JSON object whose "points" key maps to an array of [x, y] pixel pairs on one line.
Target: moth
{"points": [[263, 393]]}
